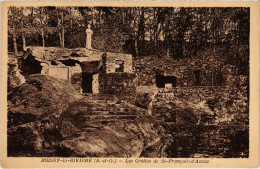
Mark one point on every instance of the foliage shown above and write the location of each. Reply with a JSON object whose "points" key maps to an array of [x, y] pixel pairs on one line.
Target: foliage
{"points": [[179, 32]]}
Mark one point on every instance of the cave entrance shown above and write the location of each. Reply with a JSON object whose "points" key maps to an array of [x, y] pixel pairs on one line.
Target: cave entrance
{"points": [[162, 81], [90, 76], [90, 82], [87, 80]]}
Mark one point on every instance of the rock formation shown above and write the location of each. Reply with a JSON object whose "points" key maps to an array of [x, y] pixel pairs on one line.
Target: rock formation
{"points": [[33, 113], [47, 117]]}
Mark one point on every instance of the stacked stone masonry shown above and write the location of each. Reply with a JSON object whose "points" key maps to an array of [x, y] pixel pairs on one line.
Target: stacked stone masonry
{"points": [[210, 71], [118, 62], [74, 64], [197, 79], [229, 103]]}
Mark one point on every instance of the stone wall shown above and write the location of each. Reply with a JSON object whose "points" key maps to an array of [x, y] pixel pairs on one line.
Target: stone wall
{"points": [[210, 71], [69, 64], [76, 77], [122, 85], [229, 104], [95, 83], [208, 141], [195, 93], [114, 60]]}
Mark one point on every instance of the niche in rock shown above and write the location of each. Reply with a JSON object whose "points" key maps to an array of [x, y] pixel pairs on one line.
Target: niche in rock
{"points": [[30, 65], [69, 62], [197, 77], [119, 67], [162, 80], [217, 78]]}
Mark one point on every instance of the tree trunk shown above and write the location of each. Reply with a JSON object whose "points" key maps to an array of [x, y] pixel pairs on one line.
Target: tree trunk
{"points": [[136, 44], [23, 35], [71, 23], [58, 27], [141, 31], [155, 37], [15, 45], [136, 47], [14, 34], [155, 27], [46, 29], [43, 41], [60, 39], [42, 26], [24, 41], [62, 24]]}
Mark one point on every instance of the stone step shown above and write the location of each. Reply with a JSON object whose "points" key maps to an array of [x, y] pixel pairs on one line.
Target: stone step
{"points": [[109, 101], [100, 104], [90, 113], [107, 107], [112, 109], [101, 122], [103, 106], [98, 124], [93, 108], [92, 104], [98, 94], [108, 117], [95, 122], [90, 98], [83, 109], [100, 97], [94, 113], [90, 129], [109, 112]]}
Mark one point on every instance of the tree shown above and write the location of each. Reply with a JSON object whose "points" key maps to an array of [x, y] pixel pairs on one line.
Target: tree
{"points": [[13, 20], [138, 30]]}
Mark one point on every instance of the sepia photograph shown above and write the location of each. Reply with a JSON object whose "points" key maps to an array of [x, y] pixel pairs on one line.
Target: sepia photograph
{"points": [[128, 82]]}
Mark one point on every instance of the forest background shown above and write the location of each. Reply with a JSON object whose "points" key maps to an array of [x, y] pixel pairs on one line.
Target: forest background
{"points": [[140, 31]]}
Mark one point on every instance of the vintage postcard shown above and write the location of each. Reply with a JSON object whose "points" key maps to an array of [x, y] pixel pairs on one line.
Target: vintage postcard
{"points": [[127, 84]]}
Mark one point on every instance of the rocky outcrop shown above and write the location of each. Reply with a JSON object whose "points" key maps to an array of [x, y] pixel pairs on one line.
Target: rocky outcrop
{"points": [[33, 112], [103, 128], [183, 112], [39, 97], [145, 95], [127, 139], [45, 121], [55, 53], [169, 107], [38, 138], [15, 78]]}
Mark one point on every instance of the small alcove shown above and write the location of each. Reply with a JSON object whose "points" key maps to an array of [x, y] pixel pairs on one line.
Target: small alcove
{"points": [[162, 81]]}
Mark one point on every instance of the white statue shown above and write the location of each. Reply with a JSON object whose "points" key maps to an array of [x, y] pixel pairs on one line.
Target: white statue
{"points": [[89, 33]]}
